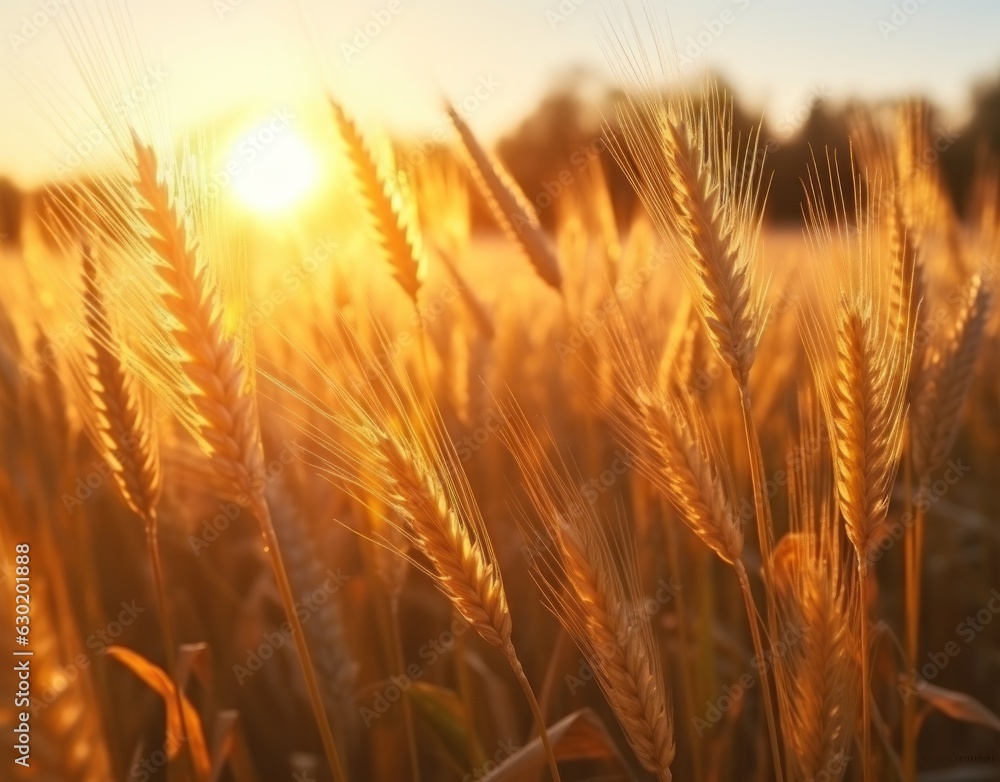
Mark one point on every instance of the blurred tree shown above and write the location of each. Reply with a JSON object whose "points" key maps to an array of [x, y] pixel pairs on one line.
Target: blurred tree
{"points": [[570, 118], [977, 144], [10, 213], [789, 161]]}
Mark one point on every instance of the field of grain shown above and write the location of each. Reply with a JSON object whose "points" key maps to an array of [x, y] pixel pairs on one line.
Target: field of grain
{"points": [[663, 493]]}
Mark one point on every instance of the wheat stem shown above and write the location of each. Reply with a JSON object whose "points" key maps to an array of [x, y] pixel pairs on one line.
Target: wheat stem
{"points": [[551, 671], [866, 694], [263, 515], [398, 663], [765, 681], [537, 713], [126, 437], [465, 690], [683, 638], [911, 566], [765, 535], [153, 546]]}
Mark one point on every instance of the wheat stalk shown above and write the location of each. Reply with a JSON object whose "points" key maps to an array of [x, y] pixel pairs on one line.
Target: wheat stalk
{"points": [[593, 590], [676, 450], [387, 435], [679, 455], [325, 632], [890, 173], [673, 445], [819, 682], [926, 201], [862, 368], [703, 193], [907, 286], [463, 567], [939, 398], [867, 410], [126, 437], [225, 413], [867, 418], [862, 373], [224, 410]]}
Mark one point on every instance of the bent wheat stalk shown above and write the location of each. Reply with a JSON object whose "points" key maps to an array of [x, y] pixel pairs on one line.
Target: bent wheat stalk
{"points": [[677, 451], [593, 589], [387, 434], [704, 193]]}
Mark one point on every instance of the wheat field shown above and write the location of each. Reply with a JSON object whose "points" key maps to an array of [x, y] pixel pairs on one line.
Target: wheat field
{"points": [[658, 493]]}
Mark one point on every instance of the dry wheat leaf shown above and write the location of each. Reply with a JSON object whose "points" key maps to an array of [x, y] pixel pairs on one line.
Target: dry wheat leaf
{"points": [[958, 706], [157, 680], [580, 736], [194, 659]]}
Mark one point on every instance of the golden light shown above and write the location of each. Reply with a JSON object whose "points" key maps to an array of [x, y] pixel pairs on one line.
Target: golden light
{"points": [[272, 167]]}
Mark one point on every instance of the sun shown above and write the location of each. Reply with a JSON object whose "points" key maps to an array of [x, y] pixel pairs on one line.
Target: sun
{"points": [[272, 167]]}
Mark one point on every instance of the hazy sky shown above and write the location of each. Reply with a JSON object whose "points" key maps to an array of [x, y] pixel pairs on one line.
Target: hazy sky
{"points": [[390, 60]]}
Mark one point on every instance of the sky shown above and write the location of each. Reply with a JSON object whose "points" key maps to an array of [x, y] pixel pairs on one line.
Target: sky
{"points": [[391, 61]]}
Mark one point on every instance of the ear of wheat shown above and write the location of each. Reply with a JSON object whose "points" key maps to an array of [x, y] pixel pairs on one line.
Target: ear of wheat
{"points": [[927, 205], [592, 587], [224, 414], [703, 194], [435, 516], [125, 434], [397, 234], [948, 377], [889, 171], [674, 447], [126, 437], [867, 412], [678, 452], [819, 681], [907, 286], [862, 367], [509, 207]]}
